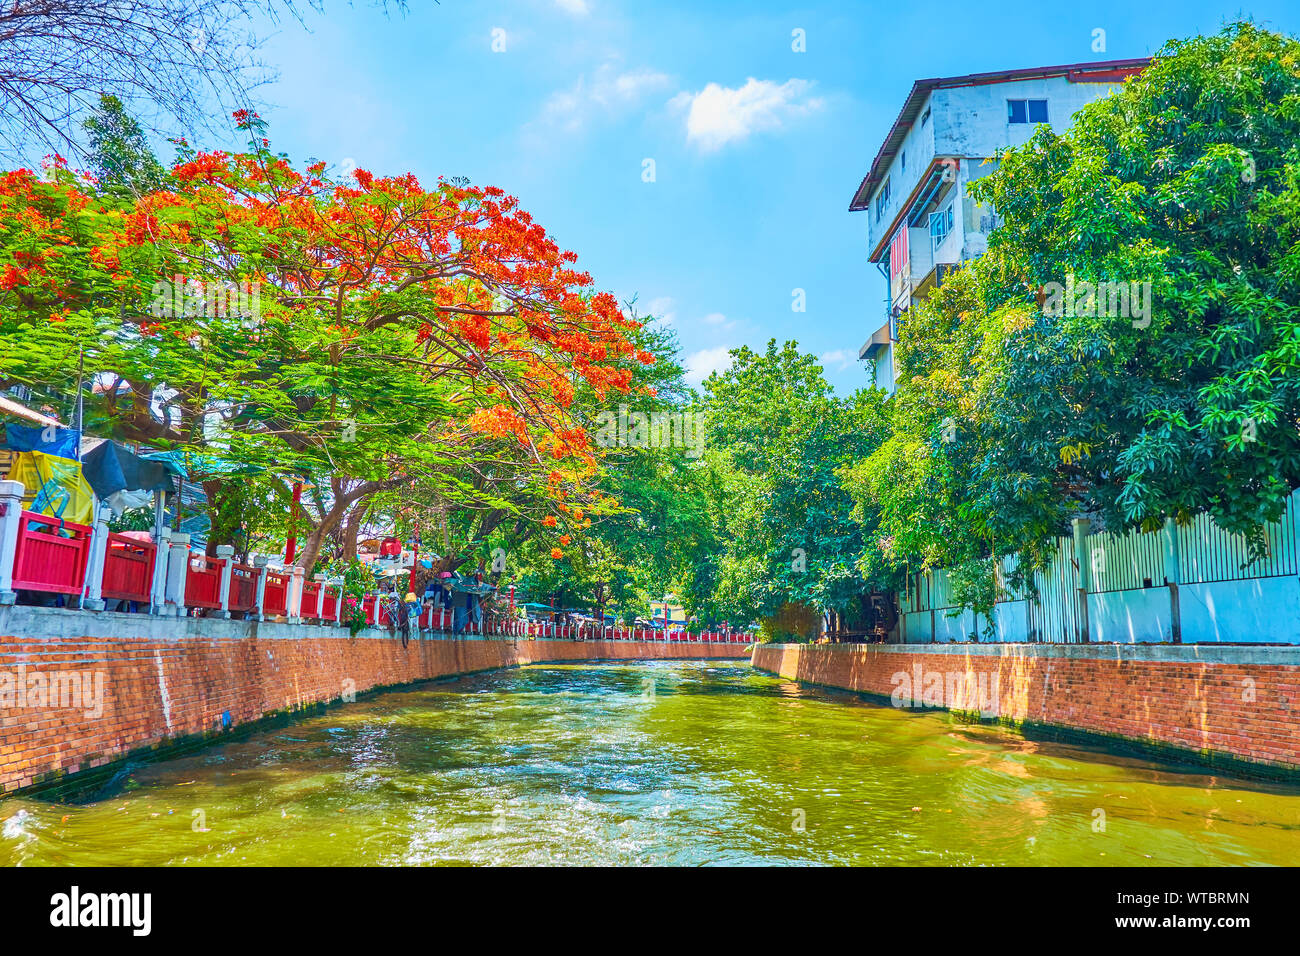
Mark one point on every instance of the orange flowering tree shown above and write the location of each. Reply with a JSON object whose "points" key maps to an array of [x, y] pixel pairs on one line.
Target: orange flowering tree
{"points": [[367, 335], [625, 543]]}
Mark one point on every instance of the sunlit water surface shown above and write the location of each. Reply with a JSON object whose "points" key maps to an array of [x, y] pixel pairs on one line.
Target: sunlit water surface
{"points": [[663, 763]]}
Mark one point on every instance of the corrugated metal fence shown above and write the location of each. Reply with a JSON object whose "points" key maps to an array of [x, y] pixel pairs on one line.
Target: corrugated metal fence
{"points": [[1191, 582]]}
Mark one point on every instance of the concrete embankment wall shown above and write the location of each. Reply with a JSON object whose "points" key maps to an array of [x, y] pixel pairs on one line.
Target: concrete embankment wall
{"points": [[80, 690], [1235, 708]]}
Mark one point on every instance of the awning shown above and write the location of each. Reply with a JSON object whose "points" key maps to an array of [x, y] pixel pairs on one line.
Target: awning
{"points": [[9, 407], [110, 468], [879, 339], [173, 461]]}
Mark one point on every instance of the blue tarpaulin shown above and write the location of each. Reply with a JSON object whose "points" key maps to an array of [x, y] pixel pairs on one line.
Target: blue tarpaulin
{"points": [[61, 442], [111, 468]]}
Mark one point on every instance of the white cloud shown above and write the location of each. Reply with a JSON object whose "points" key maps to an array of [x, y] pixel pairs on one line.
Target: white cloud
{"points": [[577, 7], [718, 115], [662, 309], [837, 360], [606, 92], [719, 321], [700, 364]]}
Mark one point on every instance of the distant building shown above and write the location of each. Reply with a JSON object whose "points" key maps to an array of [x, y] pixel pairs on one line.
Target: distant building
{"points": [[676, 613], [921, 223]]}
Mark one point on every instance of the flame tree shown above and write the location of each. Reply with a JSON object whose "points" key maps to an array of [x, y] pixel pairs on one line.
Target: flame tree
{"points": [[279, 324]]}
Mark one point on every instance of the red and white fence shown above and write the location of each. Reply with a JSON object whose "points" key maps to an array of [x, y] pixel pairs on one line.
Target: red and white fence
{"points": [[47, 556]]}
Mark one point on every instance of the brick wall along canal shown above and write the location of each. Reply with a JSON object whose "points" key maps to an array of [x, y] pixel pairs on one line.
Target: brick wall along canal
{"points": [[671, 762]]}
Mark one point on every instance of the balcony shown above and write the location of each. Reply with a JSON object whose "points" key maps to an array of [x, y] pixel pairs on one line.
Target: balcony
{"points": [[924, 266]]}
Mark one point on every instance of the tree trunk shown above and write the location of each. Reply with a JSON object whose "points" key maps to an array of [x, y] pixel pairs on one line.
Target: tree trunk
{"points": [[343, 505], [351, 530]]}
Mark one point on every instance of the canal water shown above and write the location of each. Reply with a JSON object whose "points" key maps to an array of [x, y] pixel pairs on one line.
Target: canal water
{"points": [[661, 763]]}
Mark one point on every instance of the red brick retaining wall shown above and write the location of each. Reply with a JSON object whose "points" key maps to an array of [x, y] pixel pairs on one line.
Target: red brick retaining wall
{"points": [[206, 676], [1234, 706]]}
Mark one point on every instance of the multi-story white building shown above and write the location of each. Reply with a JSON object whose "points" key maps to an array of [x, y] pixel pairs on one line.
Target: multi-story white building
{"points": [[921, 222]]}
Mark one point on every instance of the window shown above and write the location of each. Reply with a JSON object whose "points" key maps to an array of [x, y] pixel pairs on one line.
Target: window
{"points": [[925, 117], [904, 160], [940, 226], [882, 199], [1026, 111]]}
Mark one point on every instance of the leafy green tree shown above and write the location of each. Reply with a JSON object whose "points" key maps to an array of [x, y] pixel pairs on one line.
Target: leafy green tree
{"points": [[120, 156], [785, 525]]}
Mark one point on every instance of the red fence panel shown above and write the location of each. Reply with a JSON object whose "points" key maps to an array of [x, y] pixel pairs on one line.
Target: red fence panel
{"points": [[50, 558], [128, 568], [203, 582], [243, 587], [331, 604], [310, 596], [275, 599]]}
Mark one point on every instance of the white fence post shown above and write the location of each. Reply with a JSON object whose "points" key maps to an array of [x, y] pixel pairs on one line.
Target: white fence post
{"points": [[158, 591], [226, 553], [259, 608], [294, 609], [93, 591], [338, 602], [320, 595], [178, 566], [11, 513]]}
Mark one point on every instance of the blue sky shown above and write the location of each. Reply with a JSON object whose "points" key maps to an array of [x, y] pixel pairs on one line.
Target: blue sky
{"points": [[757, 148]]}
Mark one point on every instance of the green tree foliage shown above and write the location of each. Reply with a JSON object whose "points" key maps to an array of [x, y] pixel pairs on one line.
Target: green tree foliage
{"points": [[120, 155], [785, 528]]}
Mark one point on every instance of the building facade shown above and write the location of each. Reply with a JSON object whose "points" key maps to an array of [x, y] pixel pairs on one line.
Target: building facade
{"points": [[921, 221]]}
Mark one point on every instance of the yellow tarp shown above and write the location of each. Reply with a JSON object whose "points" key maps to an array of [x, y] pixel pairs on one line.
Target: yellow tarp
{"points": [[54, 486]]}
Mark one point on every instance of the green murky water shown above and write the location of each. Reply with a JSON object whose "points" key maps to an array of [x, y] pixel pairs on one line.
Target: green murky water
{"points": [[664, 763]]}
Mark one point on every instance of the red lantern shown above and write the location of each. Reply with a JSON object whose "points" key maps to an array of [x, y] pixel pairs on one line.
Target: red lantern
{"points": [[390, 548]]}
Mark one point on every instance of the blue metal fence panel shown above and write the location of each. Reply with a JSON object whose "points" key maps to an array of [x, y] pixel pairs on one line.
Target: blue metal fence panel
{"points": [[1054, 616], [1126, 561], [1207, 553]]}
